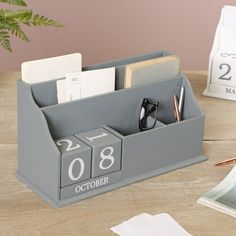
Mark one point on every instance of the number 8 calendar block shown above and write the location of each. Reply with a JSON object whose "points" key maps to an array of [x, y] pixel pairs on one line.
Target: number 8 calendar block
{"points": [[106, 151], [75, 162]]}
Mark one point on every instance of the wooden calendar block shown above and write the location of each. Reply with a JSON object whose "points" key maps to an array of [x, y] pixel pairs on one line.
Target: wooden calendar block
{"points": [[106, 151], [224, 69], [76, 160]]}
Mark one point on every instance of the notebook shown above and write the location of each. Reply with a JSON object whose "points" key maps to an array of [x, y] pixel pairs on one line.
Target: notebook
{"points": [[148, 71]]}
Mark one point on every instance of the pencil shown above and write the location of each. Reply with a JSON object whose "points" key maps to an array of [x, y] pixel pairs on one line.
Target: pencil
{"points": [[176, 109], [226, 162]]}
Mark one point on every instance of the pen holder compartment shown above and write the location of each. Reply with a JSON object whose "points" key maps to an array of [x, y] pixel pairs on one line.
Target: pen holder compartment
{"points": [[166, 147], [161, 149]]}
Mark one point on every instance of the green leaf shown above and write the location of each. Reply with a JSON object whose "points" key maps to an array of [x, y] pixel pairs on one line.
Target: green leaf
{"points": [[12, 20], [4, 40], [27, 17], [15, 2], [14, 28], [38, 20], [18, 15]]}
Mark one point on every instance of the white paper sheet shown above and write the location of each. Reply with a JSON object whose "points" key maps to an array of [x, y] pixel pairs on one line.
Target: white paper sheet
{"points": [[148, 225], [86, 84]]}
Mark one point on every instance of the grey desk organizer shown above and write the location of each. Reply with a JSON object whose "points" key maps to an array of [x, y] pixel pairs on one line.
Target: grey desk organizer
{"points": [[167, 147]]}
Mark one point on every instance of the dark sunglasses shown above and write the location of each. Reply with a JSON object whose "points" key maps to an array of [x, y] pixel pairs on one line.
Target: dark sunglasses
{"points": [[148, 108]]}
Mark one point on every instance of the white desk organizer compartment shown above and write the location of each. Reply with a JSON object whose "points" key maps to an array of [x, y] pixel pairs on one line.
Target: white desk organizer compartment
{"points": [[75, 150], [222, 63]]}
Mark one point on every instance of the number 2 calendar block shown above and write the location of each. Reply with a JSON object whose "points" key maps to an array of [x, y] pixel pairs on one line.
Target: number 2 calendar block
{"points": [[76, 160], [106, 151], [224, 69]]}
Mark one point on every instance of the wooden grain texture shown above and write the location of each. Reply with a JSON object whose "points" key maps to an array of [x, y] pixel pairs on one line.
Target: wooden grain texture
{"points": [[22, 212]]}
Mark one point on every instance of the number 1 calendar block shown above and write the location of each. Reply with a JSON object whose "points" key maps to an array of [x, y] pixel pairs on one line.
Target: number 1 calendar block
{"points": [[222, 63], [106, 151]]}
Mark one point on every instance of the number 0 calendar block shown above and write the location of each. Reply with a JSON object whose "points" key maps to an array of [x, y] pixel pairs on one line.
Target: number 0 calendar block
{"points": [[76, 160], [106, 151], [222, 62]]}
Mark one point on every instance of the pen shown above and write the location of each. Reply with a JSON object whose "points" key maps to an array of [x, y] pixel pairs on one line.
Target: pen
{"points": [[181, 101], [176, 108], [226, 162]]}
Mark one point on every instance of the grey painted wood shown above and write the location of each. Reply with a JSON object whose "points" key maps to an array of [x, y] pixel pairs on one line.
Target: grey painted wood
{"points": [[168, 146], [91, 185], [106, 151], [75, 160]]}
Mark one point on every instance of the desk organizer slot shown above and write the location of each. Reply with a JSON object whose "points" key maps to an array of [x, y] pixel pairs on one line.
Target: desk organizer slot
{"points": [[41, 122], [156, 150], [45, 94], [120, 65], [119, 109]]}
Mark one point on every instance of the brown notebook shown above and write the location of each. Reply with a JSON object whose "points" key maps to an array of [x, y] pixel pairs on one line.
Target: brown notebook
{"points": [[149, 71]]}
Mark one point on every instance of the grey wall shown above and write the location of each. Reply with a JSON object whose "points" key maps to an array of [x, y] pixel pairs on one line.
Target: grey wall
{"points": [[108, 29]]}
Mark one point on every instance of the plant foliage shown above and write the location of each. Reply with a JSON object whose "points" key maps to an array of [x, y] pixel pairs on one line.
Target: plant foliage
{"points": [[11, 22]]}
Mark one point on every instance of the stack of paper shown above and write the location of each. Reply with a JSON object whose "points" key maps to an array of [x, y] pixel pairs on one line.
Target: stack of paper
{"points": [[148, 225]]}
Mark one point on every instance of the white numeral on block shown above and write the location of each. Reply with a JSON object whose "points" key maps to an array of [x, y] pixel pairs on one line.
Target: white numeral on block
{"points": [[96, 137], [70, 169], [70, 144], [106, 157]]}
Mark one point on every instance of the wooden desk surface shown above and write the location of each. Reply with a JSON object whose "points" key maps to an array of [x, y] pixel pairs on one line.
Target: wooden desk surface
{"points": [[22, 212]]}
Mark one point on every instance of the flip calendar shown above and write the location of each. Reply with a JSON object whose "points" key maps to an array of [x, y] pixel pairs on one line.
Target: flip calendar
{"points": [[222, 62]]}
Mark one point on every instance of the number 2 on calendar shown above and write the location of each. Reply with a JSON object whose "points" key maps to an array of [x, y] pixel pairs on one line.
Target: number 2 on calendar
{"points": [[225, 75], [69, 146]]}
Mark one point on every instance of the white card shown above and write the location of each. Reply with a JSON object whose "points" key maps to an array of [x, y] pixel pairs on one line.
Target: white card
{"points": [[145, 224], [86, 84], [168, 226], [50, 68], [61, 91], [95, 82], [73, 86]]}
